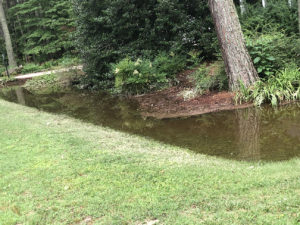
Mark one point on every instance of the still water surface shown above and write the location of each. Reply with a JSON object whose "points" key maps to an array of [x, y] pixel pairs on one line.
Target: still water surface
{"points": [[246, 134]]}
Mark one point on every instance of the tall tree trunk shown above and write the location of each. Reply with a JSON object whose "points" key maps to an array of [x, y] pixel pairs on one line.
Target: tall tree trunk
{"points": [[290, 3], [242, 6], [238, 64], [264, 3], [9, 49]]}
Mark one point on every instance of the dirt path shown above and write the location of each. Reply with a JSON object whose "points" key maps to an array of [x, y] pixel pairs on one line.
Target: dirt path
{"points": [[169, 103], [31, 75]]}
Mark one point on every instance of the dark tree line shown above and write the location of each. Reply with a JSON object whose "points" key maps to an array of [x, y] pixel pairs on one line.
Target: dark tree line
{"points": [[40, 30]]}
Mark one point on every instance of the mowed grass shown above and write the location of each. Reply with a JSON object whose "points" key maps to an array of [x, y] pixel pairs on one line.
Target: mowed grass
{"points": [[58, 170]]}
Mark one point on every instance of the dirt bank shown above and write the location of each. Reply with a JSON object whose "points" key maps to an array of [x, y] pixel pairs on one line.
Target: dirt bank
{"points": [[12, 83], [170, 103]]}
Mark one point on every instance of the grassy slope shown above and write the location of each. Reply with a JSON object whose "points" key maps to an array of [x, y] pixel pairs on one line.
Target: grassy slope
{"points": [[56, 170]]}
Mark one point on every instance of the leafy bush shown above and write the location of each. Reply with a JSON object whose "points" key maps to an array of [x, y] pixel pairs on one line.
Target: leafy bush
{"points": [[270, 52], [137, 77], [68, 61], [211, 77], [42, 81], [108, 31], [2, 71], [31, 67], [284, 86], [5, 80], [53, 82], [169, 64], [277, 16]]}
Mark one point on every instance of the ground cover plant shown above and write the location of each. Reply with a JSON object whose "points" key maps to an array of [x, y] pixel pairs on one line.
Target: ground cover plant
{"points": [[210, 78], [276, 89], [57, 170], [54, 81], [144, 75], [273, 51]]}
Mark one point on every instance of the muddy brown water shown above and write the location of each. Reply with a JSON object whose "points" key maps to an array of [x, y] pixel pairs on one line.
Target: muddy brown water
{"points": [[246, 134]]}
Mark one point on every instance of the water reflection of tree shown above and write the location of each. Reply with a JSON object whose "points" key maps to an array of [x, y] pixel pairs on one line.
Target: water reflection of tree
{"points": [[249, 133], [20, 95]]}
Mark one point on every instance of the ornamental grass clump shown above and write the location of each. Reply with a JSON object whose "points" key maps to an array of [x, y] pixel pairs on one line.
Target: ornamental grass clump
{"points": [[284, 86]]}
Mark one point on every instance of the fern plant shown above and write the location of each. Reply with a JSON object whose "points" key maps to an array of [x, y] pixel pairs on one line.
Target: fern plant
{"points": [[284, 86]]}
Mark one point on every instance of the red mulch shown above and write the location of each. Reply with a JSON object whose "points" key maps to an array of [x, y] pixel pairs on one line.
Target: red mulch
{"points": [[168, 104]]}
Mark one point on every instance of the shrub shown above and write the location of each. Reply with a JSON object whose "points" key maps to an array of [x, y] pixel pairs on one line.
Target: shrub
{"points": [[52, 82], [49, 64], [169, 64], [277, 16], [31, 67], [209, 78], [68, 61], [270, 52], [5, 80], [2, 71], [284, 86], [136, 77], [108, 31]]}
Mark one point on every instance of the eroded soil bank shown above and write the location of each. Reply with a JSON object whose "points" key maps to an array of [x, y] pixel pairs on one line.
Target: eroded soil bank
{"points": [[170, 103], [12, 83]]}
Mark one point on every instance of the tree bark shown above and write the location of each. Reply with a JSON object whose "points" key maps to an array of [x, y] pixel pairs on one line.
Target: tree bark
{"points": [[264, 3], [9, 49], [242, 6], [238, 64]]}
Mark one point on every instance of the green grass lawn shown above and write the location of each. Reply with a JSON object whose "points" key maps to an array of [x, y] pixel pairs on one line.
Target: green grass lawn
{"points": [[58, 170]]}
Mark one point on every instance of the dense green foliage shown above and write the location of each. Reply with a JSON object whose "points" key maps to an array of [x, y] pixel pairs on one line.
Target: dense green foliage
{"points": [[41, 30], [169, 35], [109, 31], [273, 51], [277, 16], [53, 82], [283, 86], [144, 75], [210, 78], [272, 35], [137, 77]]}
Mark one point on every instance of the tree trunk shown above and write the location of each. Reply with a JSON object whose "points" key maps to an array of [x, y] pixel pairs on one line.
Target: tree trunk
{"points": [[290, 3], [242, 6], [264, 3], [10, 53], [238, 64]]}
